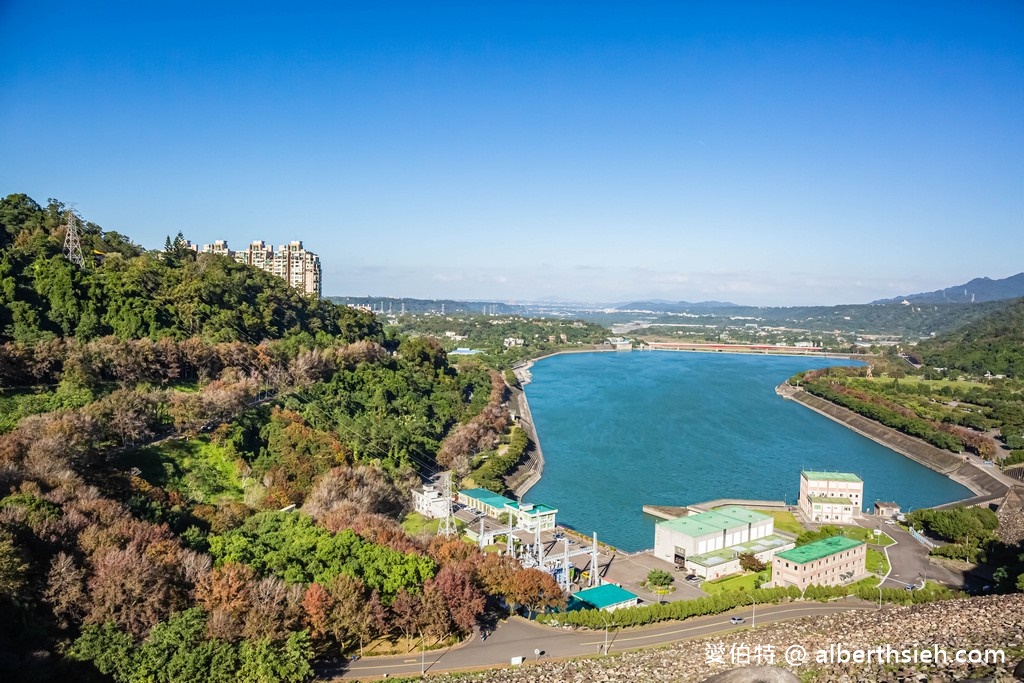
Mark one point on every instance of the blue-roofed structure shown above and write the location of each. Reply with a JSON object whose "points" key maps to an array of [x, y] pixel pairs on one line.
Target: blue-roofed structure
{"points": [[608, 597]]}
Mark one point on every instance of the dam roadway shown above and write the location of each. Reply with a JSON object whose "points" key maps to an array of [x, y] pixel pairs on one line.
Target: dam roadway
{"points": [[518, 637]]}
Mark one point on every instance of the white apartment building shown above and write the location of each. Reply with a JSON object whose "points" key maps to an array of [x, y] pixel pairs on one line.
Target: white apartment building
{"points": [[830, 496], [292, 263]]}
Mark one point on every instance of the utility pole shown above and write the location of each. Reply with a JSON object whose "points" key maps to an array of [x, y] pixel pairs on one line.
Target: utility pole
{"points": [[72, 244]]}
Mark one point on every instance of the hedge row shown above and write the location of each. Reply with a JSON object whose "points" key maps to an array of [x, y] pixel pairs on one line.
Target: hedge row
{"points": [[728, 600], [912, 426]]}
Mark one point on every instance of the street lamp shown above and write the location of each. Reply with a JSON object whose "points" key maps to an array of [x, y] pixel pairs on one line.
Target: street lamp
{"points": [[607, 624], [753, 617]]}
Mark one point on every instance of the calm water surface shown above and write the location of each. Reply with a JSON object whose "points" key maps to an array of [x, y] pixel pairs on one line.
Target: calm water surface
{"points": [[621, 430]]}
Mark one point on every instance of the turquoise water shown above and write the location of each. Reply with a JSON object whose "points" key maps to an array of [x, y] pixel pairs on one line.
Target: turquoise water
{"points": [[621, 430]]}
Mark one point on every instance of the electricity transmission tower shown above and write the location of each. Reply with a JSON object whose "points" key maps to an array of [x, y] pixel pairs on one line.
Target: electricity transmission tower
{"points": [[447, 526], [72, 244]]}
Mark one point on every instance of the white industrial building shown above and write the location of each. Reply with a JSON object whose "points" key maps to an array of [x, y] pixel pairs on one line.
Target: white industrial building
{"points": [[532, 516], [428, 501], [709, 543], [834, 497]]}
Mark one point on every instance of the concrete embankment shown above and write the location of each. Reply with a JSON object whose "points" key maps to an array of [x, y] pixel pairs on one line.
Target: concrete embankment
{"points": [[677, 511], [983, 484], [529, 470]]}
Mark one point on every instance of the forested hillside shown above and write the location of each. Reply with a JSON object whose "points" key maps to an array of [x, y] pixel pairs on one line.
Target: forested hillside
{"points": [[992, 345], [202, 472], [129, 293]]}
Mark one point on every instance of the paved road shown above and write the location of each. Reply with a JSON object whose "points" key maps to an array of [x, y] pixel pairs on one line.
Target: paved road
{"points": [[520, 637], [908, 559]]}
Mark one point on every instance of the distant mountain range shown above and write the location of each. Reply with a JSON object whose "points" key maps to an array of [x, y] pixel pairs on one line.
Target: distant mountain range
{"points": [[663, 306], [978, 290]]}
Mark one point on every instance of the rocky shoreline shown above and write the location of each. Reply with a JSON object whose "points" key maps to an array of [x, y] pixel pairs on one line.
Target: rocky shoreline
{"points": [[983, 623]]}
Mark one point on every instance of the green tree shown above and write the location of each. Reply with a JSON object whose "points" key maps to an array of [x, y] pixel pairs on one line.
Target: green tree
{"points": [[660, 578], [177, 651], [264, 660], [12, 568], [110, 650]]}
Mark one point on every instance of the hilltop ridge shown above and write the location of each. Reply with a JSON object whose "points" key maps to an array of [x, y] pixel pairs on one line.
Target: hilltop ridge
{"points": [[978, 290]]}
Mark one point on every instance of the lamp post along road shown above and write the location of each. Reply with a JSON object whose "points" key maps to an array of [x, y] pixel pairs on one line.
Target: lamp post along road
{"points": [[607, 624], [753, 617]]}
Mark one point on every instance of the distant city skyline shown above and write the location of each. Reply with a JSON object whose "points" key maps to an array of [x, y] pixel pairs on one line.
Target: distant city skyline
{"points": [[795, 153]]}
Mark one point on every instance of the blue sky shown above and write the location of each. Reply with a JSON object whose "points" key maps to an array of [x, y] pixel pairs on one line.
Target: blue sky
{"points": [[762, 153]]}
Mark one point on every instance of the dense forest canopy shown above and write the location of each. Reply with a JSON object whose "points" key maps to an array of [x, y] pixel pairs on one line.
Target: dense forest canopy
{"points": [[994, 344], [202, 471]]}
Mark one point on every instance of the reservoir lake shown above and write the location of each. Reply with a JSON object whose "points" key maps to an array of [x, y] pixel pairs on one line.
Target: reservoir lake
{"points": [[624, 430]]}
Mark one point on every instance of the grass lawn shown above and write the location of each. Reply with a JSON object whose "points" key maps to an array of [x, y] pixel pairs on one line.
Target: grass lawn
{"points": [[931, 383], [867, 535], [876, 562], [415, 523], [870, 581], [786, 522], [201, 470], [740, 582]]}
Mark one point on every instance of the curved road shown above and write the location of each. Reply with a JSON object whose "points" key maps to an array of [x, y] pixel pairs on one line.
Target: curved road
{"points": [[520, 637]]}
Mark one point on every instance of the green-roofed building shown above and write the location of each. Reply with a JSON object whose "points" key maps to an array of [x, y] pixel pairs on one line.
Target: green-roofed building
{"points": [[828, 562], [709, 543], [608, 597], [487, 502], [830, 497], [530, 516], [527, 515]]}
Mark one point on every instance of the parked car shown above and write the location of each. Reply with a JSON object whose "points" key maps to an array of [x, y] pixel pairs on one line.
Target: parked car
{"points": [[736, 620]]}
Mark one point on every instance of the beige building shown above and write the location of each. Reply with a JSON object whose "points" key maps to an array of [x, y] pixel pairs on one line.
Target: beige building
{"points": [[886, 509], [834, 497], [291, 262], [829, 562]]}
